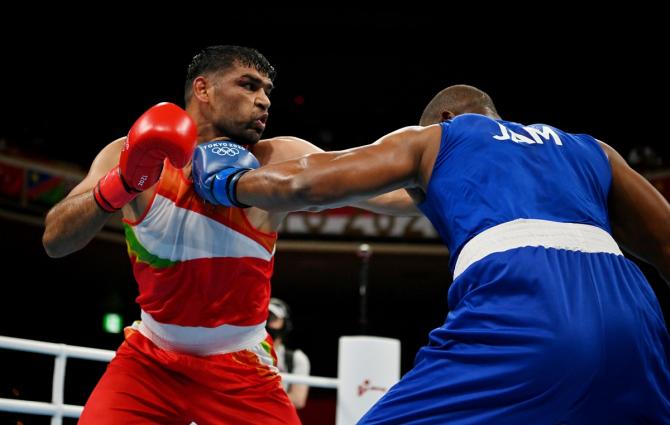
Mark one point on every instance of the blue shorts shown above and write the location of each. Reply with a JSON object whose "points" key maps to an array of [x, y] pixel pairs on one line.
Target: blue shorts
{"points": [[540, 336]]}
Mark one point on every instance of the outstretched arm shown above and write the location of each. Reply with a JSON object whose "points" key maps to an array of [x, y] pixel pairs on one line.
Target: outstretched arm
{"points": [[397, 202], [639, 214], [332, 179]]}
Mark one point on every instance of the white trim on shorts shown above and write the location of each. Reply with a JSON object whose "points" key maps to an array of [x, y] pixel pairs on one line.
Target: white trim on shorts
{"points": [[200, 340], [533, 233]]}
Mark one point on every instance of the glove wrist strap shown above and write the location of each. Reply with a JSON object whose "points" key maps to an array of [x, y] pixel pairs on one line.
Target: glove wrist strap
{"points": [[111, 193], [231, 187]]}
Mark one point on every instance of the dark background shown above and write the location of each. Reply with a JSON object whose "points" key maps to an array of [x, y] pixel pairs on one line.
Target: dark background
{"points": [[361, 74]]}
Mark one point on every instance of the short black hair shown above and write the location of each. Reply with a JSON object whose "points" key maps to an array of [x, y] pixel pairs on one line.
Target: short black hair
{"points": [[219, 58], [459, 99]]}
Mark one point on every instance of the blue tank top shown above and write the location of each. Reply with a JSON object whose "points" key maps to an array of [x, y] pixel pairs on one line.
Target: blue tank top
{"points": [[489, 172]]}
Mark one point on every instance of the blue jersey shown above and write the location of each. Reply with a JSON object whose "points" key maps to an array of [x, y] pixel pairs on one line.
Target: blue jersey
{"points": [[549, 323], [489, 172]]}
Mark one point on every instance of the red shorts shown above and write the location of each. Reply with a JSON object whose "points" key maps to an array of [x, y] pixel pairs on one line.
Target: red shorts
{"points": [[144, 384]]}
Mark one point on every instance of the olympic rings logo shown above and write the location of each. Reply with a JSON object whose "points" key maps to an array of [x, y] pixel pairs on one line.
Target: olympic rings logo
{"points": [[225, 150]]}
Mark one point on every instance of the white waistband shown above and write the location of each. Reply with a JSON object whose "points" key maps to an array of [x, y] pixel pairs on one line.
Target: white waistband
{"points": [[529, 232], [199, 340]]}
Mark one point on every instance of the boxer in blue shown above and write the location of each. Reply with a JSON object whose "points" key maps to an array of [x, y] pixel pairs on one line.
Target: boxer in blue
{"points": [[549, 323]]}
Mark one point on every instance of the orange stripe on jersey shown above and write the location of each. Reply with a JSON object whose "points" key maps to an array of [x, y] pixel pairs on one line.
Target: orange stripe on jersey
{"points": [[174, 186]]}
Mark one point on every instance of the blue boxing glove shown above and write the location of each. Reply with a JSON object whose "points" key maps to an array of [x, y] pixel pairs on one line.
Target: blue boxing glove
{"points": [[217, 166]]}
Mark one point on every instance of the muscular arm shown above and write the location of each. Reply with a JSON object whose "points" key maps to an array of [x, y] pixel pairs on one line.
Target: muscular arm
{"points": [[332, 179], [74, 221], [639, 214], [397, 202]]}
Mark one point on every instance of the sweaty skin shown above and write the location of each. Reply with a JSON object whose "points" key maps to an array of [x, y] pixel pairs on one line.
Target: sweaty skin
{"points": [[639, 214], [233, 105]]}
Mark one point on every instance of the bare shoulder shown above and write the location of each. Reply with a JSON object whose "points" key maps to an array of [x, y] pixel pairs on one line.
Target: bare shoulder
{"points": [[413, 137], [270, 151], [418, 131], [628, 186], [639, 214], [111, 152], [284, 139], [106, 159], [610, 152], [422, 144], [282, 148], [620, 168]]}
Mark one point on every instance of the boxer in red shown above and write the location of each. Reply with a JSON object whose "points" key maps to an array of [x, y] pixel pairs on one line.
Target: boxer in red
{"points": [[200, 352]]}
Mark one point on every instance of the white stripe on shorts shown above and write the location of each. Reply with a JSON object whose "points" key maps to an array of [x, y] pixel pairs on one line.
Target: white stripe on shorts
{"points": [[530, 232], [201, 341]]}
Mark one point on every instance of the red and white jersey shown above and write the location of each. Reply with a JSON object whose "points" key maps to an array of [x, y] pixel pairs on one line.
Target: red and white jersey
{"points": [[203, 271]]}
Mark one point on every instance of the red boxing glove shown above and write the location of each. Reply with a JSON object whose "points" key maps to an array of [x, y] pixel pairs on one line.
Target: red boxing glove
{"points": [[163, 131]]}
